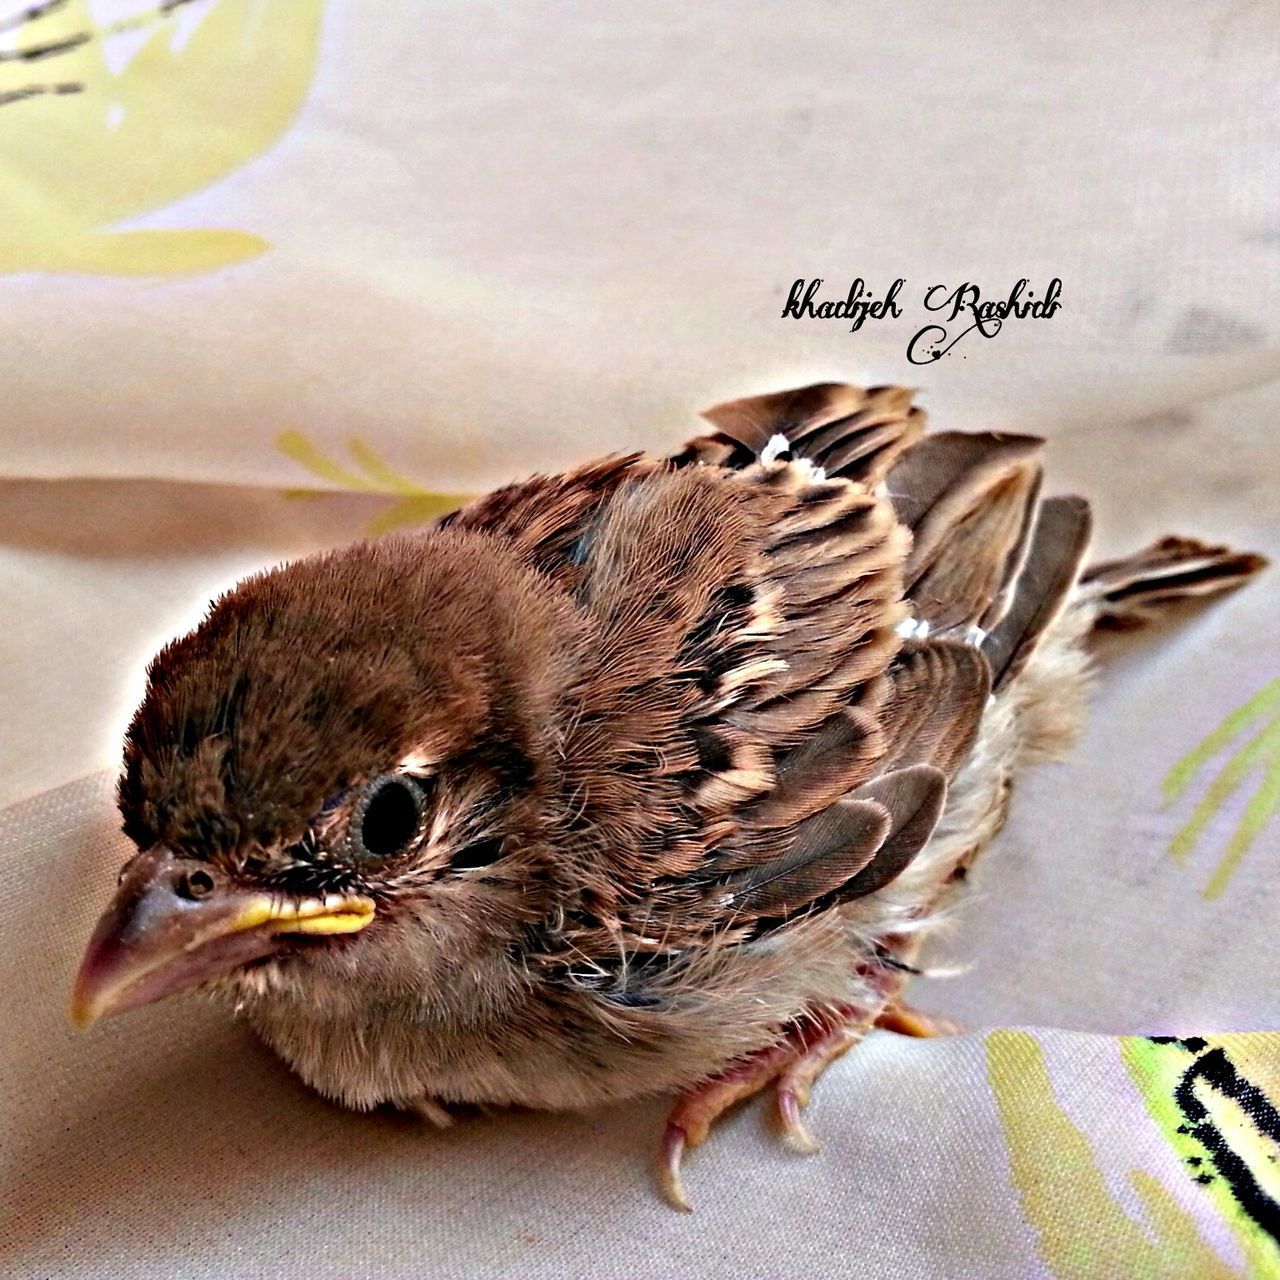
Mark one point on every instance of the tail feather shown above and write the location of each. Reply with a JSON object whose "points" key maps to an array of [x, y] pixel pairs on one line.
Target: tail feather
{"points": [[1132, 591]]}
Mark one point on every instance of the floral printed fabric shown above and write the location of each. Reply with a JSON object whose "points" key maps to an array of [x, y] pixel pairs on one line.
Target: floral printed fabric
{"points": [[170, 1143], [1212, 1100], [277, 274]]}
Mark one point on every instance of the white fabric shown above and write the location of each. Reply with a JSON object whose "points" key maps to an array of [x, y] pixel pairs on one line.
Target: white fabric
{"points": [[485, 240]]}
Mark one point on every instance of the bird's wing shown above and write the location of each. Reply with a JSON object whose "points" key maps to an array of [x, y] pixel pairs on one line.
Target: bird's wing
{"points": [[793, 627], [759, 736]]}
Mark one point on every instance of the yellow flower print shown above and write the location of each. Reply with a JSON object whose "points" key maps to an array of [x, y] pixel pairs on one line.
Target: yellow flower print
{"points": [[87, 148]]}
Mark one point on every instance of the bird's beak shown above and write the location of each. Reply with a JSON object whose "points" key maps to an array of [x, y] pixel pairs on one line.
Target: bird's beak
{"points": [[175, 923]]}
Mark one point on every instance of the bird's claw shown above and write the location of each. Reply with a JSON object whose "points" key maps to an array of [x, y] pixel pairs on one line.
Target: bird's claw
{"points": [[792, 1064], [693, 1115], [794, 1134], [671, 1155]]}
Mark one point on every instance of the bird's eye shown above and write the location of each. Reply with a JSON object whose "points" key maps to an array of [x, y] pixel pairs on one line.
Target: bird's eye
{"points": [[388, 817]]}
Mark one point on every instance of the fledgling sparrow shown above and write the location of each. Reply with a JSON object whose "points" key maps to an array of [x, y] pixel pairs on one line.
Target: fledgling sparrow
{"points": [[647, 777]]}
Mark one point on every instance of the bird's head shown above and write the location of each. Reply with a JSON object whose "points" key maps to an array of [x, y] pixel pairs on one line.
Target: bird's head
{"points": [[345, 770]]}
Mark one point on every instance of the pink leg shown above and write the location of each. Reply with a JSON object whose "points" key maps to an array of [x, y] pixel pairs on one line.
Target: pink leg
{"points": [[792, 1066], [806, 1047], [907, 1021]]}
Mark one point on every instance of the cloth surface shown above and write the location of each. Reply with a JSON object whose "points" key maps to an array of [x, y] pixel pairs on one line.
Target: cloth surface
{"points": [[403, 253]]}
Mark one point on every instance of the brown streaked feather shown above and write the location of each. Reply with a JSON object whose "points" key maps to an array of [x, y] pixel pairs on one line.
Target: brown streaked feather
{"points": [[968, 500], [841, 602], [1130, 591], [661, 555], [828, 851], [732, 770], [965, 583], [788, 718], [845, 532], [849, 850], [848, 431], [938, 693], [820, 770], [953, 468], [1058, 546], [914, 796], [823, 504]]}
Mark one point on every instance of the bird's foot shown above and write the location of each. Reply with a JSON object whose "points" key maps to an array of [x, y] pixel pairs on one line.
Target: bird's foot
{"points": [[792, 1066], [907, 1021]]}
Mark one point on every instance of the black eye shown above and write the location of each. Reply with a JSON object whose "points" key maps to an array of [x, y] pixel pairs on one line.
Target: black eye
{"points": [[388, 817]]}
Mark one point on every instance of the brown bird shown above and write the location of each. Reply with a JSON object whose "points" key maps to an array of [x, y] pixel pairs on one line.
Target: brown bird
{"points": [[643, 778]]}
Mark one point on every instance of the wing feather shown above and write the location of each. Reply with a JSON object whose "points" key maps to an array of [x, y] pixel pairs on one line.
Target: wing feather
{"points": [[750, 723], [848, 431]]}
